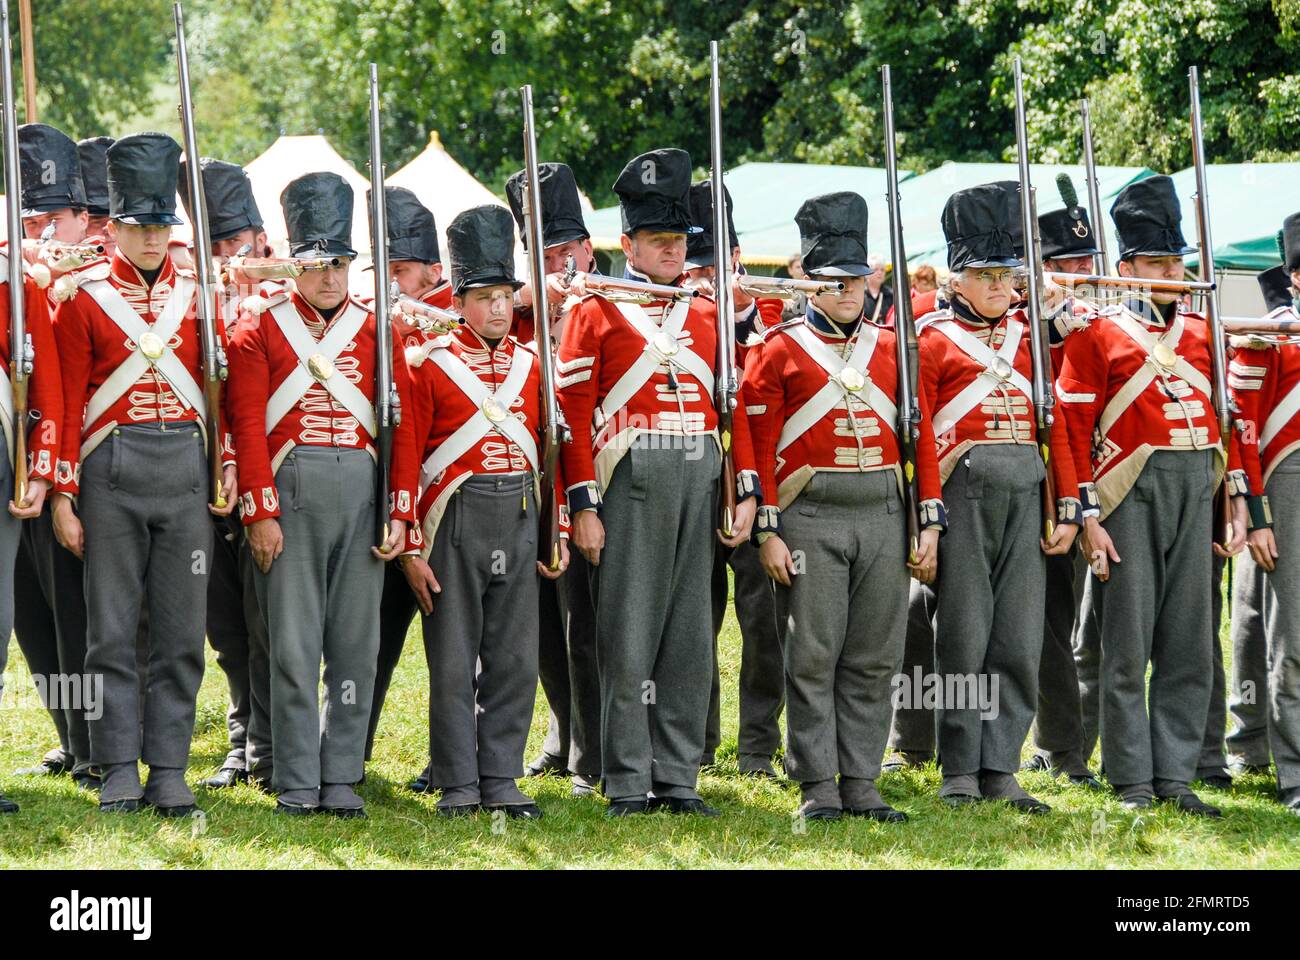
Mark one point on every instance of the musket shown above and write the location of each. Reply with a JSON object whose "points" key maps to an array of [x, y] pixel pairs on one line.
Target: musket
{"points": [[785, 288], [1044, 397], [280, 268], [727, 380], [21, 354], [556, 430], [388, 404], [636, 291], [1224, 408], [427, 317], [907, 357], [1101, 260], [1260, 326], [1073, 280], [214, 357]]}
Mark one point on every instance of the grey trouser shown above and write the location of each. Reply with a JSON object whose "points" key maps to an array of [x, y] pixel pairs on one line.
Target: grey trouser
{"points": [[320, 599], [50, 623], [989, 626], [228, 632], [1087, 661], [1214, 759], [567, 668], [1058, 727], [1282, 623], [1156, 610], [483, 663], [1247, 702], [912, 730], [397, 608], [148, 540], [762, 663], [258, 756], [654, 646], [843, 622]]}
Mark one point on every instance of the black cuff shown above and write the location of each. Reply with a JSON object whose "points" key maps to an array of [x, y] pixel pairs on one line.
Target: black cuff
{"points": [[1261, 517]]}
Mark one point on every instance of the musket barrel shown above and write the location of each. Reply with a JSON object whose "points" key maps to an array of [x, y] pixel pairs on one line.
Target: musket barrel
{"points": [[786, 286], [388, 411], [617, 286], [1135, 283], [1101, 262], [20, 354]]}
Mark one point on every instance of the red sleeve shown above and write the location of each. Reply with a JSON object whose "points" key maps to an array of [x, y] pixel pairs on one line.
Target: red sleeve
{"points": [[579, 371], [769, 310], [927, 459], [1081, 390], [223, 411], [1062, 456], [76, 354], [1252, 379], [45, 387], [405, 463], [742, 446], [249, 392], [765, 412], [419, 414]]}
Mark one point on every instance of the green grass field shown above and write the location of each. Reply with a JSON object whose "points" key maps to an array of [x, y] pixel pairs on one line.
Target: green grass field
{"points": [[60, 826]]}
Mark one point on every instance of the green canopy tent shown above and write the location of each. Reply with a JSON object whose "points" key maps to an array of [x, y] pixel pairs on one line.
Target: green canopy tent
{"points": [[1248, 202]]}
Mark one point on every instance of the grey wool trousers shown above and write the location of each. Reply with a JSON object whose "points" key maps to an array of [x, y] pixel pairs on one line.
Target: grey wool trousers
{"points": [[320, 600], [228, 633], [989, 625], [653, 636], [10, 534], [1247, 697], [1155, 610], [1214, 759], [1087, 664], [1058, 726], [912, 729], [148, 539], [1282, 623], [483, 660], [567, 667], [843, 621]]}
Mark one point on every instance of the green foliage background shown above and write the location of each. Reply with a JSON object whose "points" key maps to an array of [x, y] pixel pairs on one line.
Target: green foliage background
{"points": [[801, 80]]}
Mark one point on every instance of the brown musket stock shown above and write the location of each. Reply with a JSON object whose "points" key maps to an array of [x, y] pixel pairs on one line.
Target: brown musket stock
{"points": [[616, 288], [785, 288], [279, 268]]}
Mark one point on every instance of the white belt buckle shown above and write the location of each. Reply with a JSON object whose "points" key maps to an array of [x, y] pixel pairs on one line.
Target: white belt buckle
{"points": [[493, 410], [1002, 368], [852, 380], [666, 344], [151, 345], [1164, 355], [320, 366]]}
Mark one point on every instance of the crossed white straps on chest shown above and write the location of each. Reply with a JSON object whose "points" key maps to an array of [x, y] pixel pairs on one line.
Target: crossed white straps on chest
{"points": [[662, 346], [316, 364], [999, 370], [1162, 361], [846, 378], [151, 347], [493, 412]]}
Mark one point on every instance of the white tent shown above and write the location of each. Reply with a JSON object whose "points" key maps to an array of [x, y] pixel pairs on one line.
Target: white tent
{"points": [[286, 160], [444, 186]]}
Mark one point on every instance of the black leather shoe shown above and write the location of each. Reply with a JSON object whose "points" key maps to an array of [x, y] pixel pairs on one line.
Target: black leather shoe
{"points": [[184, 810], [684, 806], [1135, 803], [129, 805], [879, 814], [626, 808], [518, 811], [421, 783], [544, 764], [1191, 803], [458, 810], [1037, 764], [960, 799], [1290, 798], [7, 805], [823, 813], [1249, 769], [1088, 782], [345, 813], [1217, 781], [1031, 805], [225, 777], [52, 765], [582, 787], [87, 780], [293, 809]]}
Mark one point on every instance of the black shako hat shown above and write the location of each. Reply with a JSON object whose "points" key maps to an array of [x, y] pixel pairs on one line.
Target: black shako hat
{"points": [[1149, 220], [1275, 285], [977, 223], [228, 195], [412, 233], [93, 153], [1067, 232], [833, 235], [142, 172], [318, 214], [653, 192], [50, 170], [561, 208], [481, 246], [1290, 243], [700, 248]]}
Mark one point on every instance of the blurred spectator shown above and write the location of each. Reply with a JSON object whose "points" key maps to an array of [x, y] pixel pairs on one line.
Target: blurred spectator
{"points": [[924, 279]]}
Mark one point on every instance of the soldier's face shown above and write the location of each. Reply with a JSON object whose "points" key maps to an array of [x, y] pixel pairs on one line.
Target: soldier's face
{"points": [[325, 289], [557, 257], [986, 289], [846, 305], [413, 277], [488, 310], [254, 240], [69, 225], [660, 256], [1295, 279], [1079, 266], [144, 244], [1154, 268]]}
